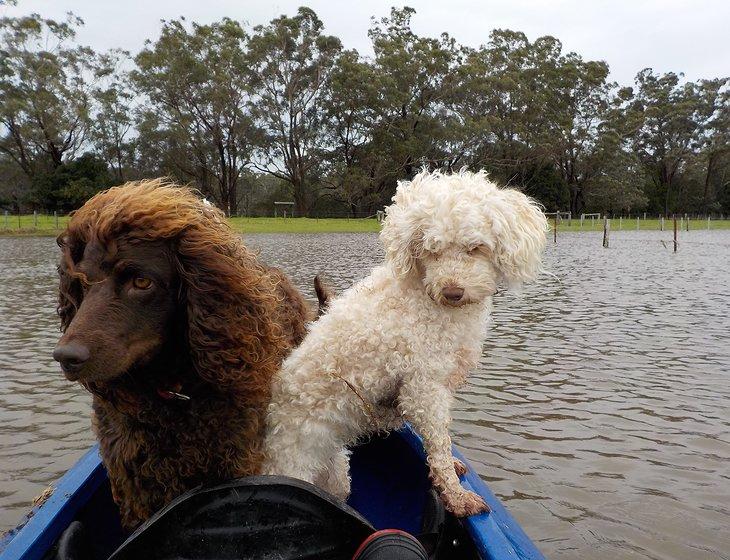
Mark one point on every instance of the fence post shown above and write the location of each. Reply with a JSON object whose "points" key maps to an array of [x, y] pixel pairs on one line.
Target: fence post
{"points": [[620, 222], [675, 233], [661, 223], [708, 221], [555, 229], [606, 228], [637, 223]]}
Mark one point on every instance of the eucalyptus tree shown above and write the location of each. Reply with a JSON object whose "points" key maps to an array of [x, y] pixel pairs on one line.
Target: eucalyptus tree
{"points": [[417, 75], [715, 149], [196, 84], [581, 141], [291, 62], [616, 183], [671, 117], [14, 184], [504, 101], [352, 110], [390, 115], [113, 118], [45, 83]]}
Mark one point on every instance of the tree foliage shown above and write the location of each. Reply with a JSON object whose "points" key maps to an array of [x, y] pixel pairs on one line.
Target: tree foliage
{"points": [[44, 92], [291, 62], [283, 111], [195, 83]]}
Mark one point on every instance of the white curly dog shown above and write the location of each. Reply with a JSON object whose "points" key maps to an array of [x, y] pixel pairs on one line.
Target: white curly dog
{"points": [[396, 345]]}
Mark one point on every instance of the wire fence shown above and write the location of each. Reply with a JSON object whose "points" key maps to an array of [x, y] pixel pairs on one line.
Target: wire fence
{"points": [[676, 225], [564, 221], [32, 222]]}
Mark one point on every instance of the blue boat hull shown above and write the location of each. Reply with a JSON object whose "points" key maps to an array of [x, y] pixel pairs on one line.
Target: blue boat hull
{"points": [[389, 488]]}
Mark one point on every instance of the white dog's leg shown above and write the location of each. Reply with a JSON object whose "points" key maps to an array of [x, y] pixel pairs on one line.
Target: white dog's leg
{"points": [[426, 406], [336, 479], [299, 447]]}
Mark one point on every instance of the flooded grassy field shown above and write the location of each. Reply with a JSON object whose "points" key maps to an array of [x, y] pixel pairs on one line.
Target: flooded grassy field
{"points": [[600, 412]]}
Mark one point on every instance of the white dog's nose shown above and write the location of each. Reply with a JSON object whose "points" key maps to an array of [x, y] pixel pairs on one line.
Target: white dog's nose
{"points": [[452, 293]]}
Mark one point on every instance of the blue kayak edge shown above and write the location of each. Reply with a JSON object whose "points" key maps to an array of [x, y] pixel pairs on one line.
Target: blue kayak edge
{"points": [[496, 535], [46, 521]]}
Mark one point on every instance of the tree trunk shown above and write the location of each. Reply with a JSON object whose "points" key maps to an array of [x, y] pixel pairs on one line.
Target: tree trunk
{"points": [[300, 199], [232, 195], [575, 193], [668, 188], [707, 194]]}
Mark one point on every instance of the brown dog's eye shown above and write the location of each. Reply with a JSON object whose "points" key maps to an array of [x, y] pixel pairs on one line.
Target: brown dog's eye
{"points": [[142, 283]]}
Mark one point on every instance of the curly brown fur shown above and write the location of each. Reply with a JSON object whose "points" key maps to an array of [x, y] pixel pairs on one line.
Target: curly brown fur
{"points": [[164, 298]]}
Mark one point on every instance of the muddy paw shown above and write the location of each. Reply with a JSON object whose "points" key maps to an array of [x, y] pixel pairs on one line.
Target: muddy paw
{"points": [[465, 504], [460, 467]]}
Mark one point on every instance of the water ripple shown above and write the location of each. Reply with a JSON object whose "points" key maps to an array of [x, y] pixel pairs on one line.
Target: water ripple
{"points": [[600, 411]]}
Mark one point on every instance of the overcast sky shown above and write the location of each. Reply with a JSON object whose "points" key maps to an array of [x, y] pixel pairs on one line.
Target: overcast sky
{"points": [[667, 35]]}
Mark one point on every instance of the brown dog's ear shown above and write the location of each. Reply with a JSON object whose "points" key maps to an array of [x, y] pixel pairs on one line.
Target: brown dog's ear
{"points": [[232, 304], [70, 292]]}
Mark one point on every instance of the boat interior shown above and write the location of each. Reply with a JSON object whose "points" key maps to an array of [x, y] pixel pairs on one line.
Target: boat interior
{"points": [[278, 517]]}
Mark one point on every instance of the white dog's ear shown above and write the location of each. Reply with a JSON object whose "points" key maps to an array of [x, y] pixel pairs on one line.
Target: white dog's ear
{"points": [[401, 235], [402, 248], [521, 237]]}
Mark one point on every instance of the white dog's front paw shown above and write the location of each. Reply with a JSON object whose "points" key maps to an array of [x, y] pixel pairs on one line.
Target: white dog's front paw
{"points": [[464, 504]]}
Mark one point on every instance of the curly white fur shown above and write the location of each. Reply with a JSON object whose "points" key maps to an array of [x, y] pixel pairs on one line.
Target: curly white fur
{"points": [[396, 345]]}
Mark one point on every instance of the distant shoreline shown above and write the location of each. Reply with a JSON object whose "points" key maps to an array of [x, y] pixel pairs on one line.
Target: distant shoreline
{"points": [[47, 225]]}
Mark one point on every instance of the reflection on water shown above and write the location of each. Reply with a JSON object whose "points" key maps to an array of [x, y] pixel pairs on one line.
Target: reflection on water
{"points": [[600, 412]]}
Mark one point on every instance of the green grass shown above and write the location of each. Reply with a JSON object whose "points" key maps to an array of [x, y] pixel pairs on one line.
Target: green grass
{"points": [[44, 225], [304, 225], [41, 225]]}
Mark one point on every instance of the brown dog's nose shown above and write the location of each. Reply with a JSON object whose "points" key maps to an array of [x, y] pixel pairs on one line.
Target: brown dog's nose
{"points": [[71, 356], [452, 293]]}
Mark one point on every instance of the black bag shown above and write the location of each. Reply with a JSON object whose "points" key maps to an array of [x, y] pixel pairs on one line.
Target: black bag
{"points": [[259, 517]]}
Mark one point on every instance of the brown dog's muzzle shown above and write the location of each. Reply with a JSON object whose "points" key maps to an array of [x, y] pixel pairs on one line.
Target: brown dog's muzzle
{"points": [[72, 356]]}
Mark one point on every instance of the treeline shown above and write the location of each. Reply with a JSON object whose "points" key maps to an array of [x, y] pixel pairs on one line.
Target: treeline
{"points": [[283, 112]]}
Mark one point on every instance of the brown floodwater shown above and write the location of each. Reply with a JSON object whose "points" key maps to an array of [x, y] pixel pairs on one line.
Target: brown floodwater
{"points": [[600, 412]]}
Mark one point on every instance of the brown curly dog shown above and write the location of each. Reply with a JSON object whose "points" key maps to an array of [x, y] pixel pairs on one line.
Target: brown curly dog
{"points": [[176, 329]]}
